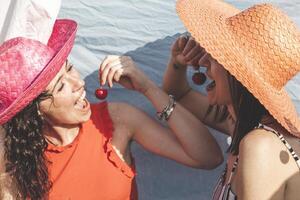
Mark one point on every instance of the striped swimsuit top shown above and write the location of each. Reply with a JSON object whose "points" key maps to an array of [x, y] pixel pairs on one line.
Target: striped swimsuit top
{"points": [[223, 190]]}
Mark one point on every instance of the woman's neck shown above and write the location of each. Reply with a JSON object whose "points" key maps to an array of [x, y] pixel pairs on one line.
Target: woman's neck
{"points": [[60, 136]]}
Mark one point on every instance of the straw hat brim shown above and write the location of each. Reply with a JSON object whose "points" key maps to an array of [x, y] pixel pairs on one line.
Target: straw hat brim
{"points": [[205, 20], [61, 42]]}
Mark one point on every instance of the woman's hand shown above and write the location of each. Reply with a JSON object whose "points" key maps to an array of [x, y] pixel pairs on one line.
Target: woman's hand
{"points": [[122, 69], [186, 51]]}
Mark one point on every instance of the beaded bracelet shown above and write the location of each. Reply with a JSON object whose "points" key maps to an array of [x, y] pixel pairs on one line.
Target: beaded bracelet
{"points": [[167, 111]]}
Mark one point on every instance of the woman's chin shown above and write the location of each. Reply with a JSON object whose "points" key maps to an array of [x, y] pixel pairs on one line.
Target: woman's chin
{"points": [[87, 116]]}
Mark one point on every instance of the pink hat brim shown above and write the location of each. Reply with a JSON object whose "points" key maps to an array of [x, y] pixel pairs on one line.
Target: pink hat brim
{"points": [[61, 41]]}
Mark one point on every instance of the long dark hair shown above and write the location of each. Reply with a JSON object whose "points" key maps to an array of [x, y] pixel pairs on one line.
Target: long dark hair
{"points": [[24, 151], [248, 110]]}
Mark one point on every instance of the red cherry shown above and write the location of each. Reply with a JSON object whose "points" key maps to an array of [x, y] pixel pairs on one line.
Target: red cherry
{"points": [[101, 93], [199, 78]]}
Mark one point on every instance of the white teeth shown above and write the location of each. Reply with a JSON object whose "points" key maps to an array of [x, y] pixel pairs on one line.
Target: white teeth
{"points": [[82, 96], [80, 103]]}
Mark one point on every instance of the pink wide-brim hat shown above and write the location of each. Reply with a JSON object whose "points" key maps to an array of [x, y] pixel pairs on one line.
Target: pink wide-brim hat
{"points": [[27, 66], [259, 46]]}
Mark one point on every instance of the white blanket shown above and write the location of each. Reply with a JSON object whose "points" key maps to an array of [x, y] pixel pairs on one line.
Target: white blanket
{"points": [[145, 29]]}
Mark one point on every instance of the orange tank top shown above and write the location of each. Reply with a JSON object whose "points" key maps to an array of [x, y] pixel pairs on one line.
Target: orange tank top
{"points": [[89, 168]]}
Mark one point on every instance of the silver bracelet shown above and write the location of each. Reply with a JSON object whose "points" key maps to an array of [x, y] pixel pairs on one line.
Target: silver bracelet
{"points": [[167, 111]]}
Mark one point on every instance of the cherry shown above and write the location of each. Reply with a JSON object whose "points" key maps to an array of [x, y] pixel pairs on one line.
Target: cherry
{"points": [[101, 93], [199, 78]]}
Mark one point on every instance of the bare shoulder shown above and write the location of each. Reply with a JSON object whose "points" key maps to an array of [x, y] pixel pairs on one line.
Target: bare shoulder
{"points": [[125, 116], [262, 150], [122, 112], [259, 144], [257, 139], [263, 157], [116, 109]]}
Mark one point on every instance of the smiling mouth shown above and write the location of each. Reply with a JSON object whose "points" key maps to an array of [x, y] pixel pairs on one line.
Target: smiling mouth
{"points": [[81, 103], [211, 85]]}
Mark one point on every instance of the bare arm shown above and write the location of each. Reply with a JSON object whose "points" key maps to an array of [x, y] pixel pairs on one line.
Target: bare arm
{"points": [[191, 135], [163, 141], [188, 52], [261, 173]]}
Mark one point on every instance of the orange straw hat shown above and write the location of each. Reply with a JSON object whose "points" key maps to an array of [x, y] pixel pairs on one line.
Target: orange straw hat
{"points": [[259, 46]]}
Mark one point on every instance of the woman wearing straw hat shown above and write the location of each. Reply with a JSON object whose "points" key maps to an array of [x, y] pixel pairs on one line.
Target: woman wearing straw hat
{"points": [[58, 145], [249, 56]]}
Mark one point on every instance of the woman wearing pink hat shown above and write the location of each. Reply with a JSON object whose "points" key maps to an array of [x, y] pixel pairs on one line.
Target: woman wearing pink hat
{"points": [[59, 146], [249, 56]]}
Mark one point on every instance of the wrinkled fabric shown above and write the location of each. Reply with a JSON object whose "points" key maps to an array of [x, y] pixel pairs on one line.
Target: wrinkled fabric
{"points": [[30, 18], [145, 30]]}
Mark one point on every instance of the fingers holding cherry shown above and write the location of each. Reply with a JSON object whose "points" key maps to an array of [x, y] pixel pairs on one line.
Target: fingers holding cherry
{"points": [[101, 93]]}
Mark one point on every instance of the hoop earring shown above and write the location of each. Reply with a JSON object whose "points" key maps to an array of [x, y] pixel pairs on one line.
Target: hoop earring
{"points": [[40, 115], [39, 112]]}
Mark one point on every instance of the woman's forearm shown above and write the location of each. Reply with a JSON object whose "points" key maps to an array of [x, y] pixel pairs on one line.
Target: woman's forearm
{"points": [[175, 81], [191, 133]]}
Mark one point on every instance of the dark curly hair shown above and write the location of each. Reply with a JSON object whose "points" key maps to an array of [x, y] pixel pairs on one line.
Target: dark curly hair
{"points": [[24, 151]]}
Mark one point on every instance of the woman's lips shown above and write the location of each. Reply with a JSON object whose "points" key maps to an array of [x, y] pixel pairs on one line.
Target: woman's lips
{"points": [[211, 86]]}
